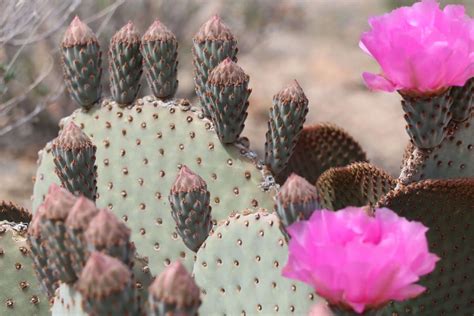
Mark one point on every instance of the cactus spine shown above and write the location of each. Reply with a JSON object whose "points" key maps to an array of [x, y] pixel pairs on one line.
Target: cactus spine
{"points": [[287, 117], [159, 49], [228, 92], [81, 61], [125, 64], [74, 158], [213, 43]]}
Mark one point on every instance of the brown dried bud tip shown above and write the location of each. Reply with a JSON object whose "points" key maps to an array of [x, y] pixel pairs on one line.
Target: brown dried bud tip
{"points": [[188, 181], [291, 93], [214, 29], [175, 286], [102, 275], [11, 212], [72, 137], [106, 230], [158, 32], [78, 33], [81, 214], [228, 73], [58, 203], [127, 34], [34, 229], [296, 190]]}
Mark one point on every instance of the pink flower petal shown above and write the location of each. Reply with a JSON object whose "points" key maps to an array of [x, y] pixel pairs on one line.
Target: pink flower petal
{"points": [[377, 82]]}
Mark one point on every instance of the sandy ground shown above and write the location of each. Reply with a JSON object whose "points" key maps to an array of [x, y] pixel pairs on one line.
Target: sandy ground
{"points": [[322, 54]]}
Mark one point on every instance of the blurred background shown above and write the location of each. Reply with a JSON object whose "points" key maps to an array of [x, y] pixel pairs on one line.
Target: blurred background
{"points": [[313, 41]]}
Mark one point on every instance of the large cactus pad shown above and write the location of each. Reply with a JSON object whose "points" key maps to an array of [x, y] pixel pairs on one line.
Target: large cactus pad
{"points": [[139, 151], [447, 208], [239, 270]]}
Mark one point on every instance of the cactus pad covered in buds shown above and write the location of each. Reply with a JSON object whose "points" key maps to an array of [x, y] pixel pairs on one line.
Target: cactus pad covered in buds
{"points": [[125, 64], [82, 58], [228, 92], [189, 201], [213, 43], [174, 292], [74, 158], [159, 48]]}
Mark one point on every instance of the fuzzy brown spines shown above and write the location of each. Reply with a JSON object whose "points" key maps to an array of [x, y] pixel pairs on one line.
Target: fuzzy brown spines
{"points": [[228, 73], [72, 137], [214, 29], [12, 212], [174, 291], [357, 184], [320, 147], [128, 34], [285, 123]]}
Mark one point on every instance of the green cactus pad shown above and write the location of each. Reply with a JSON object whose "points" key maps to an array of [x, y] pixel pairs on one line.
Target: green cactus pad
{"points": [[320, 147], [68, 301], [447, 208], [139, 150], [20, 291], [453, 158], [358, 184], [239, 270], [427, 118]]}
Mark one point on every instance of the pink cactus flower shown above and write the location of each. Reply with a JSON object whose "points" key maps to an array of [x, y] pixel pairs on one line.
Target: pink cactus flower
{"points": [[421, 49], [359, 261]]}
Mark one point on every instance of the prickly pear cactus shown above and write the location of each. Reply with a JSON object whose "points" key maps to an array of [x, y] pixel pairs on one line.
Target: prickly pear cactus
{"points": [[20, 290], [239, 266], [139, 152], [453, 158], [357, 184], [447, 208], [320, 147]]}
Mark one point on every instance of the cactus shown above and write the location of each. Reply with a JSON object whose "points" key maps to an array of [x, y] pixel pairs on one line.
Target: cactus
{"points": [[357, 184], [173, 293], [106, 286], [427, 118], [320, 147], [228, 92], [20, 291], [463, 98], [447, 208], [159, 49], [246, 277], [296, 200], [74, 158], [57, 205], [81, 214], [110, 235], [453, 158], [81, 61], [189, 202], [125, 64], [287, 117], [213, 43]]}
